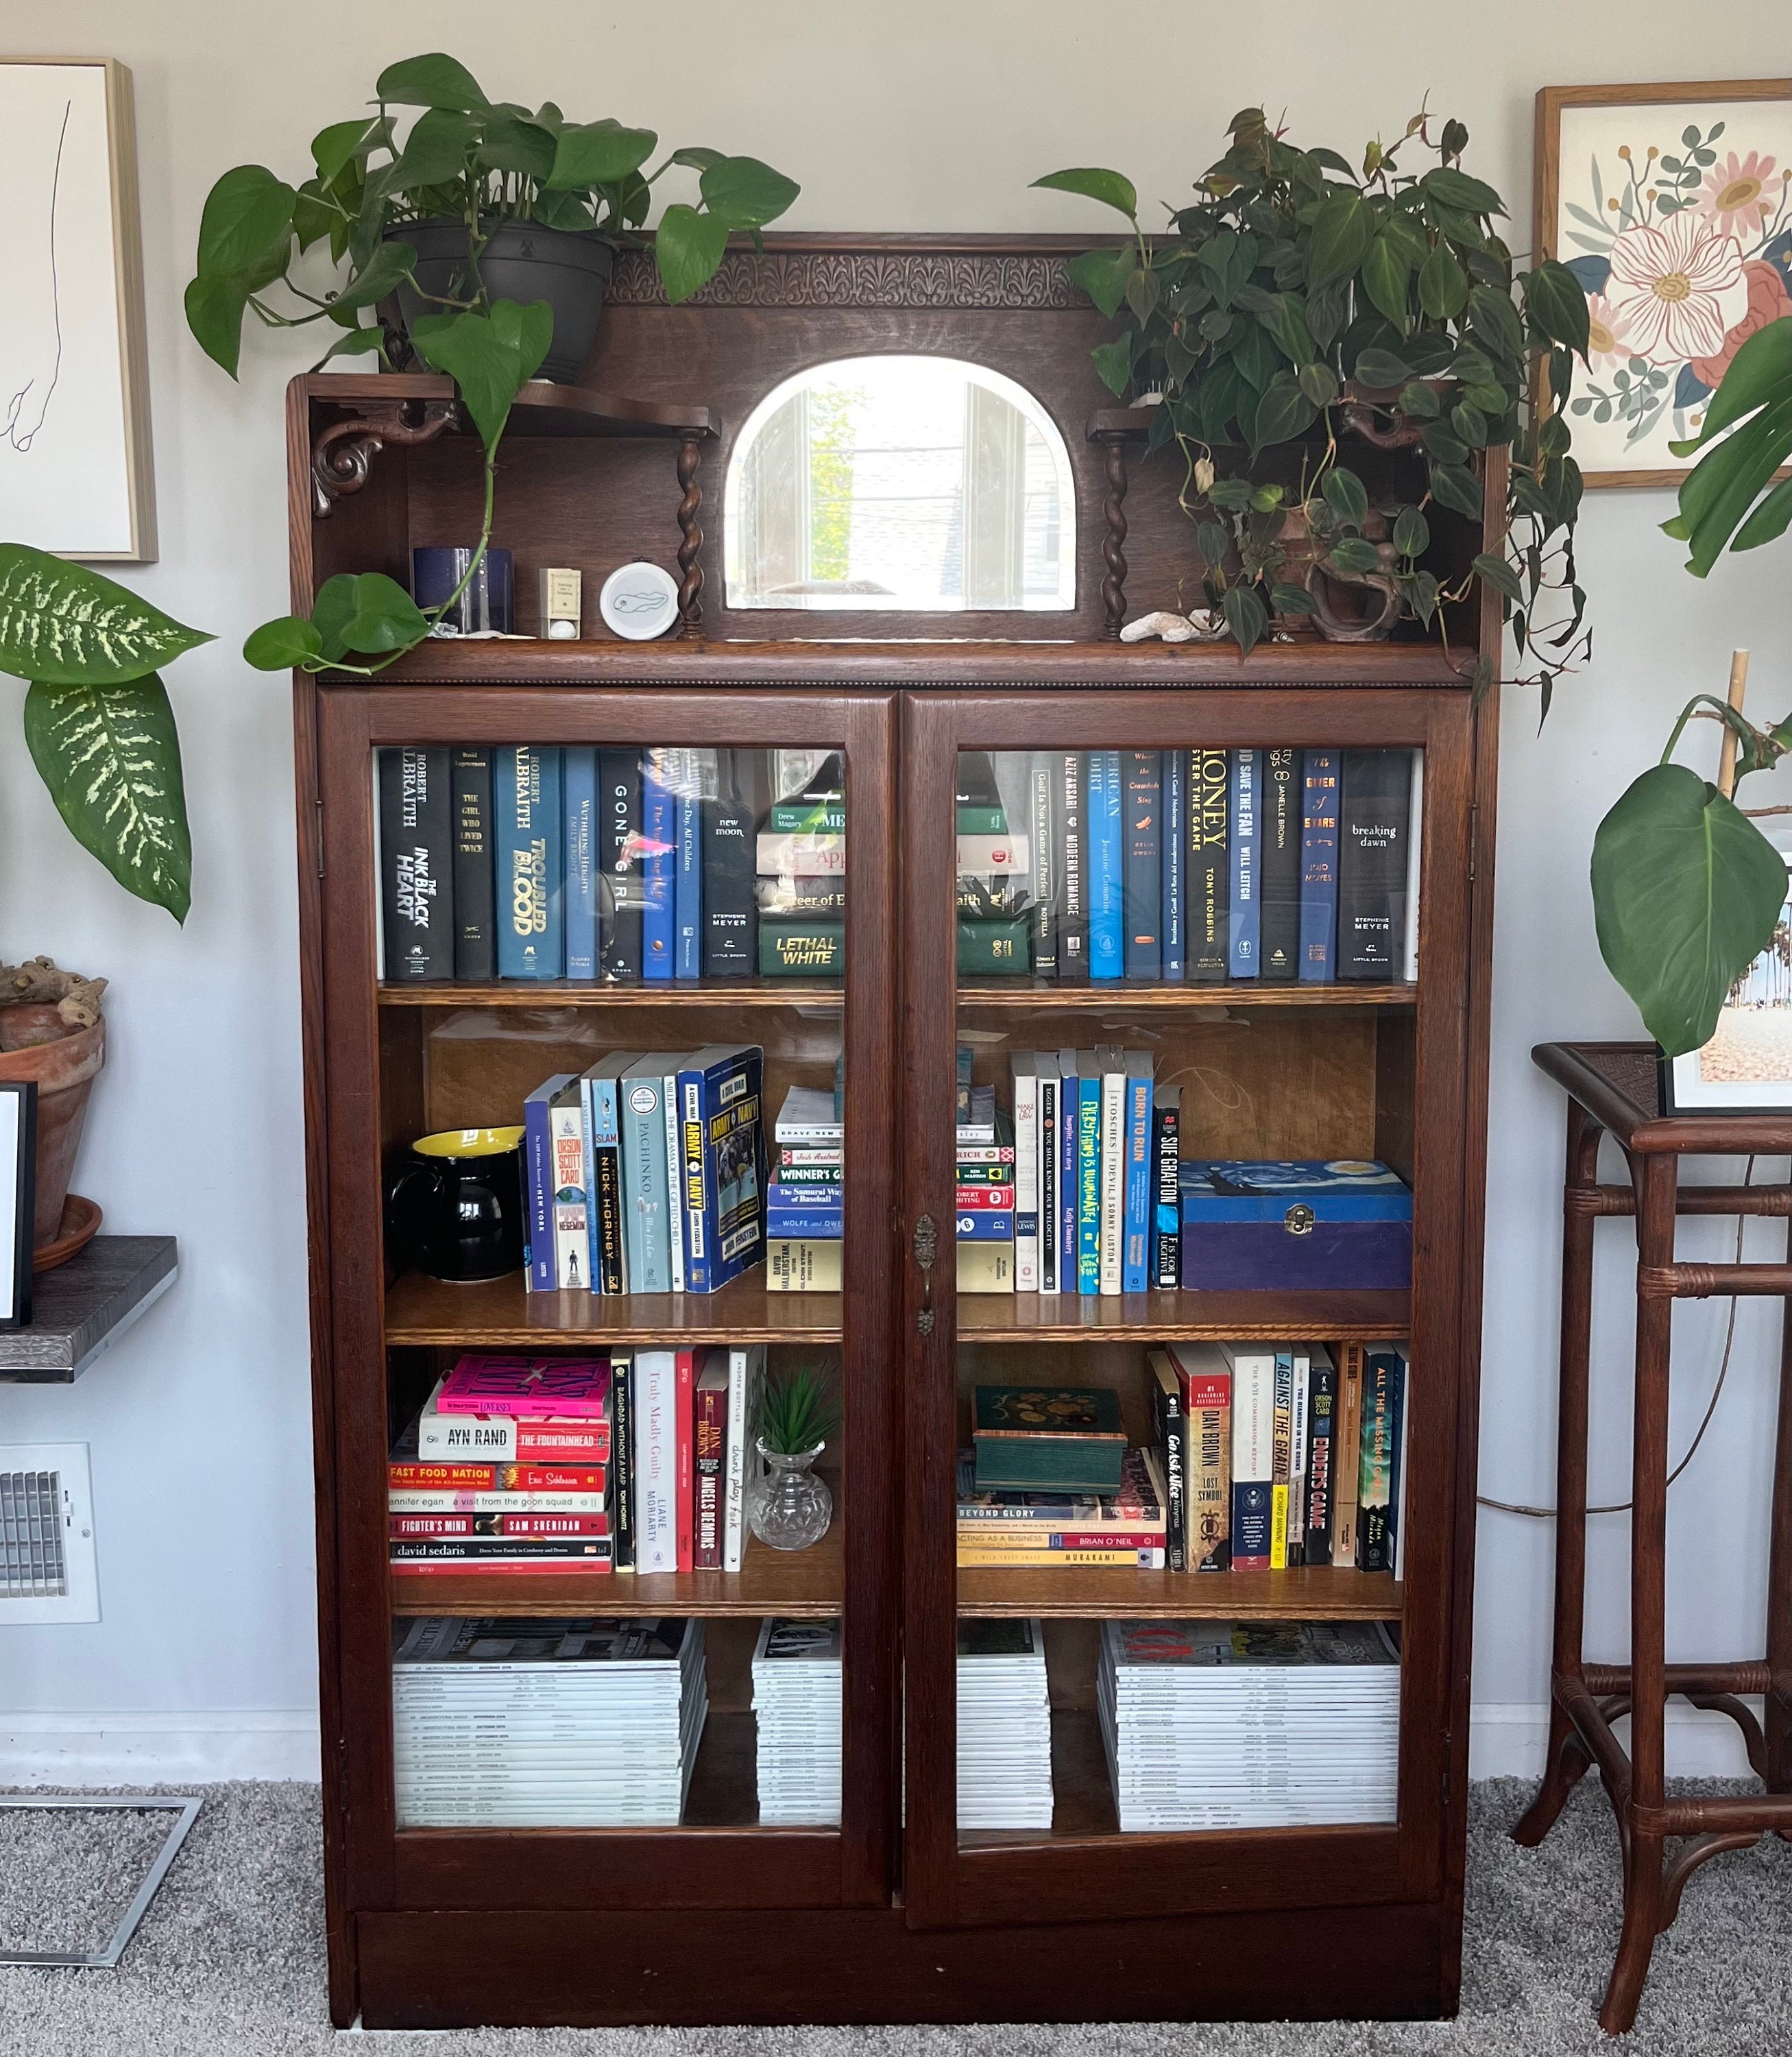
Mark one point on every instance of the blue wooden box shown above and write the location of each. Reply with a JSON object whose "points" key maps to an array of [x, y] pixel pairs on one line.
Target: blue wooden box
{"points": [[1342, 1226]]}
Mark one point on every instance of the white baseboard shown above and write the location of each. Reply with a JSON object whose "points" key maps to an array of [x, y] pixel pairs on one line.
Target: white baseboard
{"points": [[65, 1747], [1507, 1739]]}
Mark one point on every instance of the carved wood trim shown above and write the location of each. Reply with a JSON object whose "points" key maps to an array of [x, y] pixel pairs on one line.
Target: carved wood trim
{"points": [[1026, 280], [342, 455]]}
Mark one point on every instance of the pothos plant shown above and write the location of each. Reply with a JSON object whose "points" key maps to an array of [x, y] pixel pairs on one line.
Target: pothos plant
{"points": [[473, 160], [97, 720], [1295, 295], [1686, 890]]}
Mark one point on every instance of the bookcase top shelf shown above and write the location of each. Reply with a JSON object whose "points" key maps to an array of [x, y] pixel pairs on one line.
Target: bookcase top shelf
{"points": [[584, 992], [598, 662], [1320, 1593], [542, 408], [1178, 1316], [1027, 993]]}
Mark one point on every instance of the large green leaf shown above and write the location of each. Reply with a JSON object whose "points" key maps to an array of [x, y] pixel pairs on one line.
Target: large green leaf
{"points": [[1111, 188], [343, 141], [1556, 301], [215, 310], [437, 79], [1443, 285], [489, 357], [1456, 189], [66, 625], [1387, 267], [598, 154], [1102, 275], [283, 645], [111, 757], [514, 143], [687, 247], [246, 213], [745, 193], [436, 150], [1754, 404], [1342, 230], [390, 263], [1686, 894]]}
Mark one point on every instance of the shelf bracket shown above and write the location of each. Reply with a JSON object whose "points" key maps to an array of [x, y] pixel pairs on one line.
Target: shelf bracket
{"points": [[342, 455]]}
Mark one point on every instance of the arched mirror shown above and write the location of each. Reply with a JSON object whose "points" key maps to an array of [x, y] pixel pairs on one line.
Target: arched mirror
{"points": [[916, 484]]}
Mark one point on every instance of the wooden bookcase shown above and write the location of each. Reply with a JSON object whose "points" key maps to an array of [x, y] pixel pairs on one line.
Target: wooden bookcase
{"points": [[894, 1915]]}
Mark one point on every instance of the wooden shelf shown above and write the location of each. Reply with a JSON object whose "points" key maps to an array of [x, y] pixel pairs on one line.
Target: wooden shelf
{"points": [[1320, 1593], [499, 1315], [1118, 994], [803, 1584], [1036, 1317], [541, 408], [585, 993]]}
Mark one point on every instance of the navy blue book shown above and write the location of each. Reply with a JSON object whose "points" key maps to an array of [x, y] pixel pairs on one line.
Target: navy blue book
{"points": [[1142, 771], [619, 902], [584, 862], [1175, 865], [659, 867], [1107, 955], [531, 844], [1318, 866], [1247, 910], [687, 889], [721, 1142], [1278, 801]]}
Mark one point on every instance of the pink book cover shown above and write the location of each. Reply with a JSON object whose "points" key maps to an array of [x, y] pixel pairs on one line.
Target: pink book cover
{"points": [[685, 1517], [528, 1388]]}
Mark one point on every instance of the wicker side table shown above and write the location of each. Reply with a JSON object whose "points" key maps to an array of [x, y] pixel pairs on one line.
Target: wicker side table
{"points": [[1613, 1087]]}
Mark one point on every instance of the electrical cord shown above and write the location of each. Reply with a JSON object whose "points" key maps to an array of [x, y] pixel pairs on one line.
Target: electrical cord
{"points": [[1624, 1506]]}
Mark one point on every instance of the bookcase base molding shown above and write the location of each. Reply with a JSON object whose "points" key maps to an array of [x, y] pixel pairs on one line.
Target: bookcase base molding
{"points": [[865, 1965]]}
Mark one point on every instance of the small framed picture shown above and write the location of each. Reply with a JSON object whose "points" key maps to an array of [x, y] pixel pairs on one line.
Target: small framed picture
{"points": [[18, 1183], [1747, 1067]]}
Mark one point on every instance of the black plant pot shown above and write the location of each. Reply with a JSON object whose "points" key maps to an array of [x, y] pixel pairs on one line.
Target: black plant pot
{"points": [[521, 261]]}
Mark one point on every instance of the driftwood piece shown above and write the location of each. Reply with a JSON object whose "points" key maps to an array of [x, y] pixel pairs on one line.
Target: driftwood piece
{"points": [[38, 983]]}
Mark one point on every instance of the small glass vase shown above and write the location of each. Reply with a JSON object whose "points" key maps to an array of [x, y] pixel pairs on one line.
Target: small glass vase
{"points": [[791, 1507]]}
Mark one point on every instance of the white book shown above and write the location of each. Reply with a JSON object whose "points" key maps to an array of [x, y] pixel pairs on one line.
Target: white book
{"points": [[988, 856], [566, 1132], [1415, 841], [746, 1367], [808, 1117], [1050, 1150], [1253, 1429], [674, 1181], [656, 1487], [1026, 1172], [466, 1499], [1114, 1164], [1297, 1450], [819, 852]]}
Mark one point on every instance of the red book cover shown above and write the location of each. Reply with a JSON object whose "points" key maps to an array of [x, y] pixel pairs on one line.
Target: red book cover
{"points": [[527, 1388], [498, 1524], [685, 1518], [551, 1567], [991, 1197], [498, 1478], [710, 1441], [578, 1442]]}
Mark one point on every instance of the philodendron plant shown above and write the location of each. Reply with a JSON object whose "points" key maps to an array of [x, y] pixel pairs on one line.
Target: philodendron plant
{"points": [[97, 720], [1686, 890], [1296, 298], [470, 160]]}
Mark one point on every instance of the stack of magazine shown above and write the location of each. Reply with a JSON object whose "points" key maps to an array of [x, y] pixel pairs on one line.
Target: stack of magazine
{"points": [[522, 1723], [796, 1703], [1004, 1726], [1250, 1725]]}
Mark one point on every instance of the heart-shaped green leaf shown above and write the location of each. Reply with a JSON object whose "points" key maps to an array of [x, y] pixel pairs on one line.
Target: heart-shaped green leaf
{"points": [[1113, 362], [1419, 402], [67, 625], [436, 150], [598, 154], [246, 213], [514, 143], [1497, 572], [283, 645], [1686, 893], [391, 262], [1111, 188], [1353, 554], [1318, 382], [1380, 369], [1456, 189], [1246, 617], [688, 248], [1282, 412], [489, 357], [342, 142], [1556, 301], [215, 308], [1458, 489], [1102, 275], [110, 756], [1412, 532], [1443, 285], [1342, 230], [745, 193], [1346, 494], [1387, 267], [437, 79], [384, 618]]}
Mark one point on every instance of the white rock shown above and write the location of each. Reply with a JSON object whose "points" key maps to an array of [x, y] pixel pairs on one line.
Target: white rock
{"points": [[1172, 628]]}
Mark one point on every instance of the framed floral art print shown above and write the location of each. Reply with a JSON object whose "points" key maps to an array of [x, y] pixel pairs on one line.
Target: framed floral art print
{"points": [[1672, 204]]}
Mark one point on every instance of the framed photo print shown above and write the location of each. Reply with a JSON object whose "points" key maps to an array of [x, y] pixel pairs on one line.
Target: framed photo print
{"points": [[74, 380], [1747, 1067], [18, 1164], [1672, 204]]}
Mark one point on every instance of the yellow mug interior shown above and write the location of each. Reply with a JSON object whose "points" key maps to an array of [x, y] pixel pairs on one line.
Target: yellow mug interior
{"points": [[468, 1143]]}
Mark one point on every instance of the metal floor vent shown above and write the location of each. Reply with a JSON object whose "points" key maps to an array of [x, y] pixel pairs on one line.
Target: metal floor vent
{"points": [[47, 1567]]}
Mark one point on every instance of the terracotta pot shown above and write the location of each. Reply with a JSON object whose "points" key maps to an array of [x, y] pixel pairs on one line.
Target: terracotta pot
{"points": [[36, 1043]]}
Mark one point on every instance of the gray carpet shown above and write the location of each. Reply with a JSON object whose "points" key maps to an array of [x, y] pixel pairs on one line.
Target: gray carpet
{"points": [[229, 1962]]}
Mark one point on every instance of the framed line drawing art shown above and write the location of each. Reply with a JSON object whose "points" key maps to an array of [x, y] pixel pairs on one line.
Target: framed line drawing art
{"points": [[1747, 1067], [1672, 204], [18, 1159], [75, 470]]}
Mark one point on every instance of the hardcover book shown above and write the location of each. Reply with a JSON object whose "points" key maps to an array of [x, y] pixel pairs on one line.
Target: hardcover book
{"points": [[802, 1264], [1373, 831], [530, 842], [606, 1181], [1063, 1437], [1107, 921], [1318, 865], [1253, 1465], [1046, 1142], [1138, 1175], [722, 1171], [434, 1437], [1172, 1440], [417, 865], [660, 853], [1281, 1451], [710, 1441], [1245, 926], [572, 1230], [794, 893], [801, 949], [1279, 834], [476, 938], [1322, 1411], [1073, 924], [584, 862], [656, 1496], [999, 947], [622, 1468], [620, 897], [1207, 1408], [1045, 814], [1174, 885], [1209, 866], [1023, 1196], [647, 1190], [526, 1387], [1166, 1221], [541, 1268], [1347, 1457], [1142, 880], [1377, 1490], [687, 884], [731, 913], [1089, 1172]]}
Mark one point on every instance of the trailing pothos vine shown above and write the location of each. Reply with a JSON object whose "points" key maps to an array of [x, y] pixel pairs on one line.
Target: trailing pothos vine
{"points": [[1296, 297]]}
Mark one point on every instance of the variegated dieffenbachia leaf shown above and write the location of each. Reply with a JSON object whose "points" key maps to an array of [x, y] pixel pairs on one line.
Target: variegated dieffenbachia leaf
{"points": [[111, 757], [68, 626]]}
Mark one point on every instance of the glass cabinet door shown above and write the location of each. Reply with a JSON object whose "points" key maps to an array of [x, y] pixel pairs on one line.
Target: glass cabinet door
{"points": [[1184, 1060], [613, 1401]]}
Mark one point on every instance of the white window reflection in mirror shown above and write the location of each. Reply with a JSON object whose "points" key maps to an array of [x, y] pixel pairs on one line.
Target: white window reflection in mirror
{"points": [[917, 484]]}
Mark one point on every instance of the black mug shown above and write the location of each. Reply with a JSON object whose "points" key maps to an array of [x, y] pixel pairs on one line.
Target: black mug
{"points": [[454, 1204]]}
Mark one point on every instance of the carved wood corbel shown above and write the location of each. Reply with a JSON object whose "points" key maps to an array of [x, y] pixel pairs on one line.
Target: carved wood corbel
{"points": [[342, 455]]}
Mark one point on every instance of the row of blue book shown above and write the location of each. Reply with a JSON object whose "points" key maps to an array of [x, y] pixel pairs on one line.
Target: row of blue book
{"points": [[1196, 866]]}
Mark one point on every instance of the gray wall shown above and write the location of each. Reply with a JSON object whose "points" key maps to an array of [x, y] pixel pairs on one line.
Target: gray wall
{"points": [[929, 116]]}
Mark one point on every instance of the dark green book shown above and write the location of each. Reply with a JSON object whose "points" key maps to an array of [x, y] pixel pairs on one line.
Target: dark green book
{"points": [[826, 817], [801, 949], [994, 946], [1030, 1436], [982, 821]]}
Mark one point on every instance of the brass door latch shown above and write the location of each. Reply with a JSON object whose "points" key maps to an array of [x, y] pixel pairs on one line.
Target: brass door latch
{"points": [[927, 1247]]}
